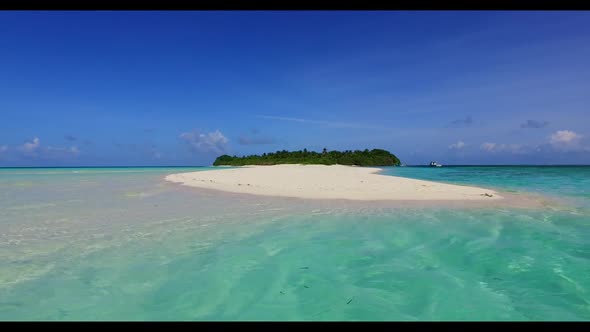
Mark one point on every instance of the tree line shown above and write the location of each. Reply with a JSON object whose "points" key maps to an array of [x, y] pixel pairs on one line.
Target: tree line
{"points": [[375, 157]]}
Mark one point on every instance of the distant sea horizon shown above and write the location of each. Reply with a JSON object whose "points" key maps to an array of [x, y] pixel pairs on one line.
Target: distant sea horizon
{"points": [[192, 166]]}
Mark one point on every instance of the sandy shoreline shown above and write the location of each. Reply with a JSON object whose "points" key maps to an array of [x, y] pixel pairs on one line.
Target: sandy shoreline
{"points": [[329, 182]]}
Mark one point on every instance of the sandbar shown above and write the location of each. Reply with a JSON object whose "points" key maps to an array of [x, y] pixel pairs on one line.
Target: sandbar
{"points": [[329, 182]]}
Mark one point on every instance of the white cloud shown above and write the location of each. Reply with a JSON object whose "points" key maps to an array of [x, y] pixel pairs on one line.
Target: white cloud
{"points": [[564, 137], [494, 147], [32, 146], [210, 142], [72, 149], [567, 140], [559, 141], [59, 152], [488, 146], [459, 145], [515, 148]]}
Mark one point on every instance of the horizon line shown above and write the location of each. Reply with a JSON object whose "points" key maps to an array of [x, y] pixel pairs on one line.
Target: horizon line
{"points": [[406, 165]]}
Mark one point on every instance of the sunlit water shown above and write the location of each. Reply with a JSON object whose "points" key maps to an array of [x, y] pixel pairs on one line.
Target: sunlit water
{"points": [[122, 244]]}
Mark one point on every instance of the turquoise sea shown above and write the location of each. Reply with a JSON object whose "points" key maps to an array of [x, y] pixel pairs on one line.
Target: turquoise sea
{"points": [[123, 244]]}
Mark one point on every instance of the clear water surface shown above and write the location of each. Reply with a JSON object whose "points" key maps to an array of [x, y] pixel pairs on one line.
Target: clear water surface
{"points": [[123, 244]]}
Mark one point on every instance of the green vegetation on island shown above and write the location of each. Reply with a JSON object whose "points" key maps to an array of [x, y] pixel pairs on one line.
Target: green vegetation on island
{"points": [[375, 157]]}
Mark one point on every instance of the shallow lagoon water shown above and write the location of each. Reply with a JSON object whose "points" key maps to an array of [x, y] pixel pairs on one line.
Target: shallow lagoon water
{"points": [[123, 244]]}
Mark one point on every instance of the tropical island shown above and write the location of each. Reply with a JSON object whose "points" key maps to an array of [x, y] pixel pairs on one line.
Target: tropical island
{"points": [[324, 175], [375, 157]]}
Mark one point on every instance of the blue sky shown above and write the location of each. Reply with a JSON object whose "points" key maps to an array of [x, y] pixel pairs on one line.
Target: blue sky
{"points": [[180, 88]]}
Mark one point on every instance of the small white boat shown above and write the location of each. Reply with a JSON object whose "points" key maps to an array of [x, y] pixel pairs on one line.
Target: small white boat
{"points": [[435, 164]]}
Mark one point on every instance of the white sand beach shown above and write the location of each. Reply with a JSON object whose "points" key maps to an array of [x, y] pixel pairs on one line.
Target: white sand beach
{"points": [[327, 182]]}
